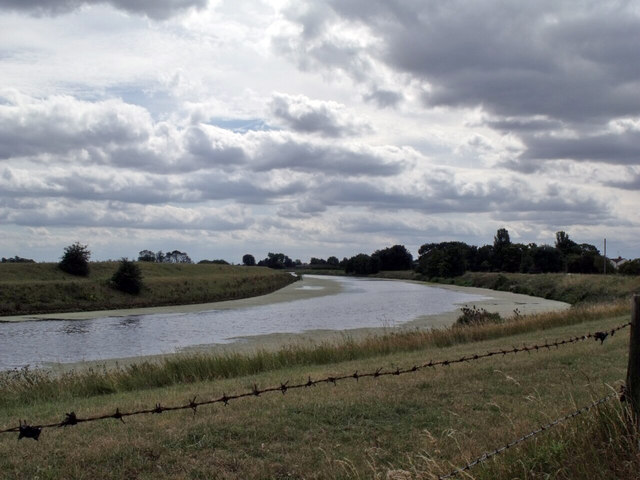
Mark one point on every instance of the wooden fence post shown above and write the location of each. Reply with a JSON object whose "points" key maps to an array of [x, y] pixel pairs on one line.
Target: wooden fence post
{"points": [[633, 370]]}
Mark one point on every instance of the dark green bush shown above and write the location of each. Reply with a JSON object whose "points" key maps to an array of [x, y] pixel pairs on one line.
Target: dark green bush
{"points": [[128, 277], [75, 260]]}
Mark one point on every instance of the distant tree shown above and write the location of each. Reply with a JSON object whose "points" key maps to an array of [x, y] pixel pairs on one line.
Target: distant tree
{"points": [[317, 261], [546, 258], [333, 261], [396, 257], [75, 260], [276, 261], [17, 259], [362, 264], [566, 245], [501, 239], [128, 277], [630, 267], [501, 250], [177, 257], [147, 256], [217, 261], [248, 260], [445, 259], [482, 259]]}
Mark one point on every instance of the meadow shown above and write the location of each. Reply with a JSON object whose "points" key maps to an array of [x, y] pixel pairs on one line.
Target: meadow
{"points": [[29, 288]]}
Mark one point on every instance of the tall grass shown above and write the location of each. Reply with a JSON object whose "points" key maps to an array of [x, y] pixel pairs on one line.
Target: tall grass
{"points": [[25, 385]]}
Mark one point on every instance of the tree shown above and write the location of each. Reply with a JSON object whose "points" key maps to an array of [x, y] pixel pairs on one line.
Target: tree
{"points": [[362, 264], [630, 267], [128, 277], [501, 239], [333, 261], [566, 245], [277, 261], [176, 257], [146, 256], [394, 258], [446, 259], [546, 258], [75, 260], [248, 260]]}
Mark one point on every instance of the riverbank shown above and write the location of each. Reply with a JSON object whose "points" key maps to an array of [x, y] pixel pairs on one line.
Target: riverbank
{"points": [[42, 288]]}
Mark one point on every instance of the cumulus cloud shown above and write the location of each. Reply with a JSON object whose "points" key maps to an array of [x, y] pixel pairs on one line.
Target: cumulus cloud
{"points": [[538, 67], [156, 9], [60, 124], [302, 114]]}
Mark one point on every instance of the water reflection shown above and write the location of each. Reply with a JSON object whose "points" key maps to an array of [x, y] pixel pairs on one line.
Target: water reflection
{"points": [[360, 303]]}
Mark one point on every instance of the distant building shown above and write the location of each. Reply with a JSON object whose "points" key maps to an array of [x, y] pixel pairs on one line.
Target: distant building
{"points": [[618, 261]]}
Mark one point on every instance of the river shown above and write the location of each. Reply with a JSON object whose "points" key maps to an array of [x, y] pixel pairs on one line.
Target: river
{"points": [[358, 303]]}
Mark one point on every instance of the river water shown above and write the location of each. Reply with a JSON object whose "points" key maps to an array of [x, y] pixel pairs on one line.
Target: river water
{"points": [[359, 303]]}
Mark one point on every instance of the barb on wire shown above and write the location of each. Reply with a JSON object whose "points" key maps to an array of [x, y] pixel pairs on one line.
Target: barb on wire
{"points": [[33, 431], [487, 455]]}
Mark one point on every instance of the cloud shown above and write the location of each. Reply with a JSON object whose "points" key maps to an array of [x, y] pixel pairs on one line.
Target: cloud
{"points": [[539, 67], [288, 152], [60, 124], [302, 114], [155, 9]]}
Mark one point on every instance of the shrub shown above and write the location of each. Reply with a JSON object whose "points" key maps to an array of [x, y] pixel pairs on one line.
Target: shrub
{"points": [[127, 278], [477, 316], [75, 260]]}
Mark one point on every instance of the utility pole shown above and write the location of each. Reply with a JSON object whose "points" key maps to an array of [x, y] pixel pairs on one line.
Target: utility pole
{"points": [[605, 256]]}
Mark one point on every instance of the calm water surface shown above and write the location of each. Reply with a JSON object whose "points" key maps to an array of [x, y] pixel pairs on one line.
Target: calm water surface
{"points": [[361, 303]]}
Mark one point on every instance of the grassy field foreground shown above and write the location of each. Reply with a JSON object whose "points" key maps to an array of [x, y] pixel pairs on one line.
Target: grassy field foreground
{"points": [[27, 288], [412, 426]]}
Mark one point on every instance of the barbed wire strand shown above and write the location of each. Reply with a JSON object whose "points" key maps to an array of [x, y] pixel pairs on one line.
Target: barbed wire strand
{"points": [[487, 455], [26, 430]]}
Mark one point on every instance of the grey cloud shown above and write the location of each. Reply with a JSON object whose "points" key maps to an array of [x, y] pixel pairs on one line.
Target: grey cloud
{"points": [[444, 195], [213, 151], [619, 148], [384, 98], [533, 67], [302, 114], [288, 153], [51, 213], [156, 9]]}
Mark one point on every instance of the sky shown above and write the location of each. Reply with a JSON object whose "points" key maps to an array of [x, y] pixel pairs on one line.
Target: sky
{"points": [[316, 128]]}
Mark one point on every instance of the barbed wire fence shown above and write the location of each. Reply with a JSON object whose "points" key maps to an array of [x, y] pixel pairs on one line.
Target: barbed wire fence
{"points": [[34, 430]]}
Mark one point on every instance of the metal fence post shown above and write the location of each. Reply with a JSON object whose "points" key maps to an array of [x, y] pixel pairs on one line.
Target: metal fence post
{"points": [[633, 370]]}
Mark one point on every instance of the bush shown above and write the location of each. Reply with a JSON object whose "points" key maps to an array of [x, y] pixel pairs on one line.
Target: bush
{"points": [[127, 278], [477, 316], [75, 260], [632, 267]]}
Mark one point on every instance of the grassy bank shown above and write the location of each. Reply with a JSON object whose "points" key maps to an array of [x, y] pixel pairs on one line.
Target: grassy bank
{"points": [[412, 426], [43, 288], [570, 288]]}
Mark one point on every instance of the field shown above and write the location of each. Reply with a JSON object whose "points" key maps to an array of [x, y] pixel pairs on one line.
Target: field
{"points": [[27, 288], [418, 425]]}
